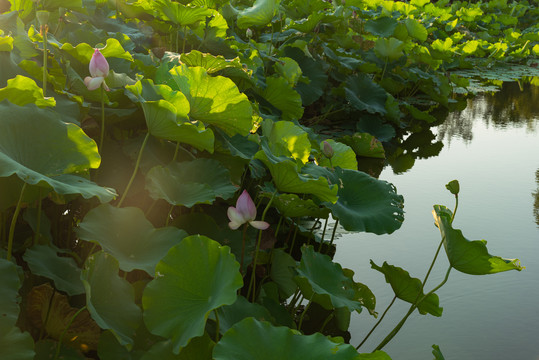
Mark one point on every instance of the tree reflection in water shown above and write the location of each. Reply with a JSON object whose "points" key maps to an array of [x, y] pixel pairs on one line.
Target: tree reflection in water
{"points": [[514, 105], [536, 202]]}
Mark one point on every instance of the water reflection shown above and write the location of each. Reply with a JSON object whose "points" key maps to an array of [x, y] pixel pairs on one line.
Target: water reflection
{"points": [[536, 201], [515, 105]]}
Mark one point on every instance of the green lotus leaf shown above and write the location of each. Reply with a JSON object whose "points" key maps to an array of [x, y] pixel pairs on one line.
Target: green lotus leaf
{"points": [[55, 74], [9, 293], [22, 90], [43, 260], [289, 69], [290, 205], [287, 139], [281, 95], [376, 355], [258, 15], [287, 178], [180, 14], [11, 189], [188, 183], [109, 298], [382, 26], [365, 295], [416, 29], [53, 5], [420, 115], [343, 156], [83, 52], [195, 277], [469, 257], [6, 43], [161, 118], [199, 348], [229, 315], [27, 150], [215, 100], [313, 70], [282, 272], [364, 144], [366, 203], [45, 348], [14, 344], [126, 234], [409, 289], [390, 49], [366, 95], [324, 281], [211, 63], [252, 339]]}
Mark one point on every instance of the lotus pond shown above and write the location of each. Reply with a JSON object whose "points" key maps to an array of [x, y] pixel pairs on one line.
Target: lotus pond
{"points": [[174, 177], [494, 145]]}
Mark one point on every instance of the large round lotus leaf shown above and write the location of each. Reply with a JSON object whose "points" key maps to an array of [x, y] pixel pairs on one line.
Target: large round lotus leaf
{"points": [[199, 348], [258, 15], [313, 70], [469, 257], [181, 14], [109, 298], [252, 339], [210, 62], [365, 203], [196, 276], [215, 100], [366, 95], [188, 183], [9, 293], [287, 178], [291, 205], [343, 157], [280, 94], [126, 234], [241, 309], [364, 144], [43, 260], [287, 139], [49, 310], [408, 288], [162, 120], [331, 287], [14, 344], [26, 150]]}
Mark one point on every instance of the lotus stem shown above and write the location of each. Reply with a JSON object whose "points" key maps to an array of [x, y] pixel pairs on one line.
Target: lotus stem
{"points": [[305, 311], [456, 207], [378, 322], [293, 238], [252, 281], [333, 233], [44, 325], [65, 330], [323, 234], [243, 247], [328, 319], [169, 215], [14, 223], [134, 171], [217, 330], [102, 119], [410, 311], [184, 37]]}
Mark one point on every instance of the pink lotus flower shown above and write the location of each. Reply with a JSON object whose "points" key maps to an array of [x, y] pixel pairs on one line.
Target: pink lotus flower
{"points": [[99, 69], [244, 212]]}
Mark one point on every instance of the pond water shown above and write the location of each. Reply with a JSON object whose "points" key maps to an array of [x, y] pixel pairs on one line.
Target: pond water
{"points": [[492, 148]]}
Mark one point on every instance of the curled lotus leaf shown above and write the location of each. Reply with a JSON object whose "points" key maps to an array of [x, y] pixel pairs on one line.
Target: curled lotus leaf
{"points": [[469, 257]]}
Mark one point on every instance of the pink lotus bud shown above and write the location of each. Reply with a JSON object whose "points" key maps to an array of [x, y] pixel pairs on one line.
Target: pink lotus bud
{"points": [[244, 212], [99, 67], [327, 150]]}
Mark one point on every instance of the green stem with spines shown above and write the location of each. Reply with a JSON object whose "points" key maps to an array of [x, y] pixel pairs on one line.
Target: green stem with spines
{"points": [[14, 223]]}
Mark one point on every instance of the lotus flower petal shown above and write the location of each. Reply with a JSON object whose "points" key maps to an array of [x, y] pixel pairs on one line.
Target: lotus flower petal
{"points": [[93, 83], [99, 67]]}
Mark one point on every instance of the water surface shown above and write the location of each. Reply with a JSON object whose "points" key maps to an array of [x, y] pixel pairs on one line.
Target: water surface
{"points": [[492, 148]]}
